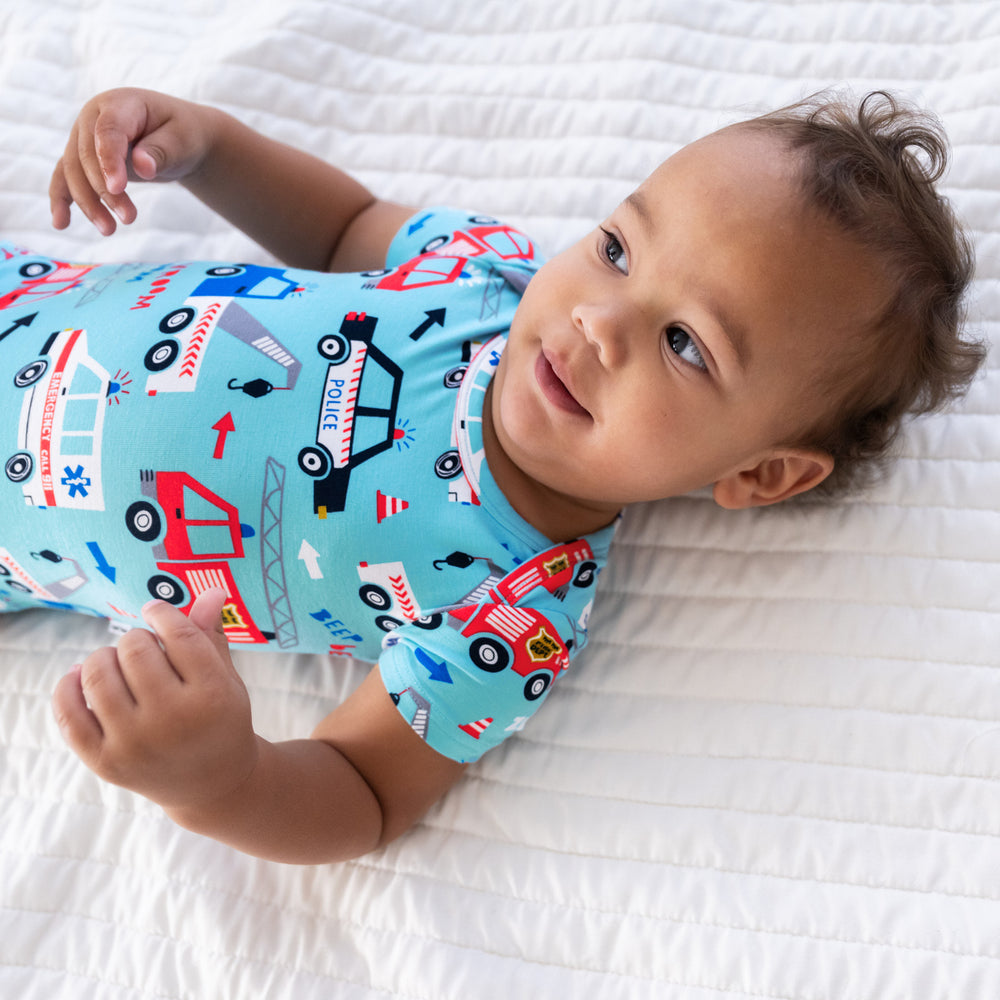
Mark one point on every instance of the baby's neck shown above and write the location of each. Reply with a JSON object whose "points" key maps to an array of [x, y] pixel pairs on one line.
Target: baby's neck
{"points": [[556, 515]]}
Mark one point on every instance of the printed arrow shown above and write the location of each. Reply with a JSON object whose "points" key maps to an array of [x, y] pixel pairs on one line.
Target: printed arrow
{"points": [[223, 426], [311, 558], [437, 669], [433, 316], [23, 321], [102, 561], [418, 224]]}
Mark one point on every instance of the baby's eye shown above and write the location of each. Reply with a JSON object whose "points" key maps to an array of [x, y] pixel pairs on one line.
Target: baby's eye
{"points": [[614, 252], [683, 345]]}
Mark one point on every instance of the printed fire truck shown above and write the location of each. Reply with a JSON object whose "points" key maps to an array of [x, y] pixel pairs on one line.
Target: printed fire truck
{"points": [[43, 279], [203, 532], [442, 259], [18, 578], [504, 634], [357, 411], [211, 306], [385, 588], [421, 272], [503, 241], [62, 420]]}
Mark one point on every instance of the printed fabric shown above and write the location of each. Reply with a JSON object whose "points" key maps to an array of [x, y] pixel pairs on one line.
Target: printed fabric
{"points": [[310, 442]]}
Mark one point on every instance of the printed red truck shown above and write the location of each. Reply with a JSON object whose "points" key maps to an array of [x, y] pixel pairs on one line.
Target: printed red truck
{"points": [[504, 635], [203, 532], [42, 280]]}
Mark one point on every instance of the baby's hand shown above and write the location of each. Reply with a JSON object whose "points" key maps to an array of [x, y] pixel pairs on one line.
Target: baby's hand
{"points": [[169, 719], [123, 135]]}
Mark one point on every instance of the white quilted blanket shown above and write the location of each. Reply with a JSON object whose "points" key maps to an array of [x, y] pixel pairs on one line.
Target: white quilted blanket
{"points": [[775, 773]]}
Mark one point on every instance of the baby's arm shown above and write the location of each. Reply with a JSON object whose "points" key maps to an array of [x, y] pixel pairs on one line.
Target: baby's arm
{"points": [[170, 719], [306, 212]]}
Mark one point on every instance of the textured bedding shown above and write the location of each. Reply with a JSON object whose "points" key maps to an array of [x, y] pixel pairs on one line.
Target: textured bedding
{"points": [[774, 771]]}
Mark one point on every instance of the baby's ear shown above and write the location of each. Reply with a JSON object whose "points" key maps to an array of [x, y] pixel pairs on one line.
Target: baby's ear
{"points": [[780, 475]]}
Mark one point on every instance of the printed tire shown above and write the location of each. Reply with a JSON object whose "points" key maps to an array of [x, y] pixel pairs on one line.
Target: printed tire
{"points": [[489, 655], [536, 686], [165, 588], [19, 467], [143, 520], [30, 374]]}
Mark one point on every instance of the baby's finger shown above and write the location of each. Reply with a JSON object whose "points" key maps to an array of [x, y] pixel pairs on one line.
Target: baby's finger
{"points": [[102, 148], [104, 687], [193, 652], [79, 726], [60, 199], [108, 170], [145, 668], [206, 613], [70, 184]]}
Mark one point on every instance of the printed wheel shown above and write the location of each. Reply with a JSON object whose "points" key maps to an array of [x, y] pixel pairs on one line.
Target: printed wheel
{"points": [[536, 686], [143, 521], [448, 465], [177, 320], [453, 377], [19, 467], [166, 588], [387, 623], [489, 655], [225, 271], [314, 462], [30, 374], [428, 621], [334, 347], [35, 269], [435, 244], [586, 574], [375, 597], [161, 355]]}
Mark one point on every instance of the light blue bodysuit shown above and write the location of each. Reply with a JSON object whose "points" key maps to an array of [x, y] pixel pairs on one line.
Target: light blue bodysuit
{"points": [[310, 442]]}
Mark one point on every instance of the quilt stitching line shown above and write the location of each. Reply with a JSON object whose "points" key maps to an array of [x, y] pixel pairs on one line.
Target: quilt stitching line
{"points": [[433, 824]]}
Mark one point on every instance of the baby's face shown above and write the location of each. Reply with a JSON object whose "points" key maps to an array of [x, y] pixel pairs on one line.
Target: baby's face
{"points": [[680, 342]]}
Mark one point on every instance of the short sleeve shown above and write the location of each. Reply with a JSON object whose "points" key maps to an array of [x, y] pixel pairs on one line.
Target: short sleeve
{"points": [[468, 676], [445, 237]]}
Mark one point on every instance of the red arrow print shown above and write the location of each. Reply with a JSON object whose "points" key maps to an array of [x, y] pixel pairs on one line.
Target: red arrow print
{"points": [[223, 426]]}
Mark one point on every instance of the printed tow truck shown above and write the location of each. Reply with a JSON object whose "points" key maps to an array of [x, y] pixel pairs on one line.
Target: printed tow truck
{"points": [[175, 361]]}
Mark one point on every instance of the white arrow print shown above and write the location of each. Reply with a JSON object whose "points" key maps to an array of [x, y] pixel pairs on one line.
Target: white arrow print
{"points": [[311, 558]]}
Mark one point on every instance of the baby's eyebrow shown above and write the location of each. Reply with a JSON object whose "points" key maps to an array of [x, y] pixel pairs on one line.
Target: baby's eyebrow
{"points": [[734, 332], [637, 202]]}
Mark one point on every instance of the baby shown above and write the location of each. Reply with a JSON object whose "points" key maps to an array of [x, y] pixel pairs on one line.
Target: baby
{"points": [[421, 459]]}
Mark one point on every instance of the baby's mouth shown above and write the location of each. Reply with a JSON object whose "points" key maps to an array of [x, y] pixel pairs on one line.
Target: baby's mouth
{"points": [[555, 390]]}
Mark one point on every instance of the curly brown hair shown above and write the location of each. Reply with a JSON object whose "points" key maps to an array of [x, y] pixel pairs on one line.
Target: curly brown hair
{"points": [[862, 165]]}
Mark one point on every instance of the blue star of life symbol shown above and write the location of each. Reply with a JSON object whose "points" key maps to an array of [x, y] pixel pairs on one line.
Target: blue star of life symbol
{"points": [[76, 481]]}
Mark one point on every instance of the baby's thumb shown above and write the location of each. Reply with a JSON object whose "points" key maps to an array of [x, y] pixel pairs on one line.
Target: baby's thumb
{"points": [[206, 613], [146, 160]]}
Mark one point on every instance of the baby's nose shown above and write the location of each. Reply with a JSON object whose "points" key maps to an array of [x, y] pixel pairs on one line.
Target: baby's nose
{"points": [[605, 329]]}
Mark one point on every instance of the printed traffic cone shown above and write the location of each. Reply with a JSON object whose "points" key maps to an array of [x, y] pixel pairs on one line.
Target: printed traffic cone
{"points": [[476, 729], [387, 506]]}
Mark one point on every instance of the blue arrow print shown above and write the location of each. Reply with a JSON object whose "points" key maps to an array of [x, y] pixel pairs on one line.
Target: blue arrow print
{"points": [[102, 563], [418, 224], [438, 668]]}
